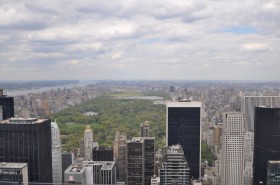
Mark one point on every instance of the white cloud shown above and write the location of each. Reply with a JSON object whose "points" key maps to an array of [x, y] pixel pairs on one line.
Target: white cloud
{"points": [[139, 39], [255, 47]]}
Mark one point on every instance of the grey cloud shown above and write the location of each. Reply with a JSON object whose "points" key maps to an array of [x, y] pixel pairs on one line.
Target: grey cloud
{"points": [[139, 39]]}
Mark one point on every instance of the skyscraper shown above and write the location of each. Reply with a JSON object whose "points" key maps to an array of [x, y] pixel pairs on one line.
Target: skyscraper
{"points": [[232, 149], [249, 103], [144, 129], [102, 153], [248, 157], [140, 165], [175, 169], [183, 123], [266, 141], [88, 139], [67, 160], [7, 104], [28, 141], [56, 154], [120, 155]]}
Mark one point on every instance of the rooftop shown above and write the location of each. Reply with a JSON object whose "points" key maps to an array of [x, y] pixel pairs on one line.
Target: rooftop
{"points": [[274, 162], [140, 139], [23, 121], [12, 165], [106, 165], [183, 104], [75, 168]]}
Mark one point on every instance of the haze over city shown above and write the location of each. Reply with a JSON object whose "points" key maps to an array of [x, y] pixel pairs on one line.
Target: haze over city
{"points": [[93, 39]]}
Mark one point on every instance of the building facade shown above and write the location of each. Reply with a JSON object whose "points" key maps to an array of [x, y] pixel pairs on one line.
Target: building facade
{"points": [[144, 129], [56, 154], [266, 141], [103, 172], [13, 172], [7, 104], [183, 126], [273, 173], [175, 169], [120, 156], [21, 140], [102, 153], [88, 140], [249, 103], [75, 174], [67, 160], [140, 167], [232, 160]]}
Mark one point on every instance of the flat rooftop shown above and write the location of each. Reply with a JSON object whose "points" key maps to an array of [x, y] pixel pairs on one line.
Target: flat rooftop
{"points": [[106, 165], [140, 139], [75, 168], [12, 165], [274, 162], [23, 121], [183, 104]]}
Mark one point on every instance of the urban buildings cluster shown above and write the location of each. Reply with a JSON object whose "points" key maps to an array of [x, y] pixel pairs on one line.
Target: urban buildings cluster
{"points": [[243, 135], [40, 104]]}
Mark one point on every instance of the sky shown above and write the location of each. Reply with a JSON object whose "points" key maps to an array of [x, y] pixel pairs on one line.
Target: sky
{"points": [[140, 40]]}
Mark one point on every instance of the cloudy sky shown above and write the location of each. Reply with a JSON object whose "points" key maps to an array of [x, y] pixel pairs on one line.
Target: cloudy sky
{"points": [[134, 39]]}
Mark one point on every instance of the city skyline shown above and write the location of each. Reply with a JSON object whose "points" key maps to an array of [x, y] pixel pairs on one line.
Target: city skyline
{"points": [[192, 40]]}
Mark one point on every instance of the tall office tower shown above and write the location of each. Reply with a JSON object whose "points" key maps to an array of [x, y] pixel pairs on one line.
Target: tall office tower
{"points": [[144, 129], [232, 159], [140, 160], [273, 173], [28, 141], [56, 154], [249, 103], [183, 124], [248, 157], [175, 169], [67, 160], [102, 153], [7, 104], [88, 139], [116, 145], [217, 133], [120, 155], [266, 141], [13, 173], [248, 173]]}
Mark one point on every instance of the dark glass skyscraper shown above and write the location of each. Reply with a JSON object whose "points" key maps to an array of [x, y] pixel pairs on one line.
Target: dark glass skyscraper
{"points": [[7, 104], [267, 141], [28, 141], [102, 153], [140, 164], [183, 127]]}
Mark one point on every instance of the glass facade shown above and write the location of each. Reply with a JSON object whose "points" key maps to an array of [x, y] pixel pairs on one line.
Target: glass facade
{"points": [[184, 128], [267, 141], [30, 143], [140, 160], [7, 104]]}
